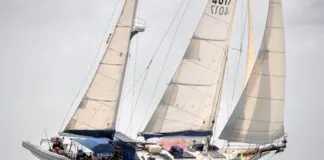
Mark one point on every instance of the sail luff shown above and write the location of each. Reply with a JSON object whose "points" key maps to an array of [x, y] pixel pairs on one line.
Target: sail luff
{"points": [[188, 103], [258, 117], [250, 50], [125, 67], [218, 98], [99, 106]]}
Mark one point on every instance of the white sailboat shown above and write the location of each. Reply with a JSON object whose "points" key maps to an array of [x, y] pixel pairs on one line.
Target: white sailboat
{"points": [[97, 111], [190, 104], [189, 107]]}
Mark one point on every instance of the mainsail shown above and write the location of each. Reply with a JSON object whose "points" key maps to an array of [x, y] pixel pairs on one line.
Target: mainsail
{"points": [[258, 117], [99, 106], [191, 99]]}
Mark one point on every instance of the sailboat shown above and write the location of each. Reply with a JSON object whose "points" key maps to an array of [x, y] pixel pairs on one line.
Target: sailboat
{"points": [[96, 114], [188, 110], [189, 107]]}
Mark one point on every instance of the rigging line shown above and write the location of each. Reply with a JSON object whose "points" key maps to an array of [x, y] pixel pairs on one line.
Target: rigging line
{"points": [[128, 92], [227, 80], [164, 63], [219, 96], [140, 89], [144, 74], [244, 17], [93, 65], [134, 75], [164, 36], [225, 69], [157, 49]]}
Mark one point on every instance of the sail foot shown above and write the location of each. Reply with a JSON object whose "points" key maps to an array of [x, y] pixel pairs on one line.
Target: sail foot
{"points": [[186, 133], [92, 133]]}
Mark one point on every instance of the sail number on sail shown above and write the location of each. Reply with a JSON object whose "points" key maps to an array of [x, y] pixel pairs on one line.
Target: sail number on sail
{"points": [[220, 7]]}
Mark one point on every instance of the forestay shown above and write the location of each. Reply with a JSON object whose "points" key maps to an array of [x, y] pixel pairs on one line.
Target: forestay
{"points": [[191, 98], [98, 108], [259, 115]]}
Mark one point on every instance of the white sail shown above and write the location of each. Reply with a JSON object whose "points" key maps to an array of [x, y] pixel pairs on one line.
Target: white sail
{"points": [[259, 115], [191, 98], [98, 108], [250, 50]]}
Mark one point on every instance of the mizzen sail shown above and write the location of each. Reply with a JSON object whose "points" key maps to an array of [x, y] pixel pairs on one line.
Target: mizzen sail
{"points": [[99, 106], [259, 115], [190, 101]]}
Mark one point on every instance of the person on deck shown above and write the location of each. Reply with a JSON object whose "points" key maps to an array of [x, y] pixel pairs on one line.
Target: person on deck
{"points": [[118, 153], [57, 146]]}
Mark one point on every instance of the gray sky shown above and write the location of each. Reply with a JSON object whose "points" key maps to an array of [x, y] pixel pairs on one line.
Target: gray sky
{"points": [[48, 47]]}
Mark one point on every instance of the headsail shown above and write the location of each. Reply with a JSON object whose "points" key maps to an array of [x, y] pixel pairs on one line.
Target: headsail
{"points": [[190, 101], [99, 106], [259, 115], [250, 50]]}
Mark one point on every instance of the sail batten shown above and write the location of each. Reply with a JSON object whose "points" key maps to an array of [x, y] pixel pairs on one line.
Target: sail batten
{"points": [[258, 118], [99, 106], [189, 103]]}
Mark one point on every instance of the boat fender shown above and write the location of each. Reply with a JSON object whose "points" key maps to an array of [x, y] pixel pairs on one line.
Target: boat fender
{"points": [[153, 149]]}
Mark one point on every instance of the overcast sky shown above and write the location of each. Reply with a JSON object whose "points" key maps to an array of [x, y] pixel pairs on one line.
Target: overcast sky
{"points": [[48, 47]]}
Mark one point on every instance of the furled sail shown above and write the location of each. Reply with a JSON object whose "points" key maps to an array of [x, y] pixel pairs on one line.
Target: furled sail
{"points": [[190, 101], [259, 115], [98, 108]]}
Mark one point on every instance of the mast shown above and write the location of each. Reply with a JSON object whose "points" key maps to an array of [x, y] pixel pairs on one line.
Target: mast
{"points": [[134, 6], [258, 118], [195, 87], [99, 106]]}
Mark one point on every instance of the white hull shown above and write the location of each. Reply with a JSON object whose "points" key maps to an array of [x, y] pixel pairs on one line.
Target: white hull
{"points": [[166, 156], [42, 153], [199, 156]]}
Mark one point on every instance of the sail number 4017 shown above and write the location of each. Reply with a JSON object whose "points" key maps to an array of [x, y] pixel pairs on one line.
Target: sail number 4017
{"points": [[220, 7]]}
